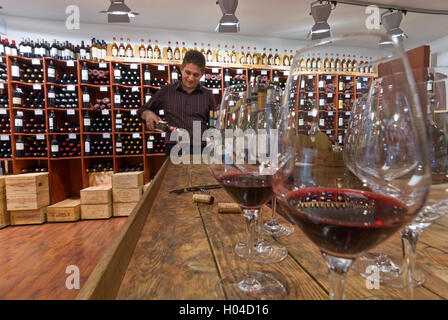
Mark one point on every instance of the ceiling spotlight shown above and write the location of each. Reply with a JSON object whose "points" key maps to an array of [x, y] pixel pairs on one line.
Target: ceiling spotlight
{"points": [[320, 12], [119, 12], [229, 22], [391, 21]]}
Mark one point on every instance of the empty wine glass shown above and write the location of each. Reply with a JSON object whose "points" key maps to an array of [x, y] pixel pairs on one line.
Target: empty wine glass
{"points": [[345, 215], [244, 167], [431, 84]]}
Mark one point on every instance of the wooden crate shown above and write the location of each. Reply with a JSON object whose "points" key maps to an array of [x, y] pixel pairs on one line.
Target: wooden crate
{"points": [[21, 217], [66, 210], [96, 211], [100, 179], [123, 209], [125, 180], [127, 195], [4, 214], [27, 191], [96, 195], [3, 185]]}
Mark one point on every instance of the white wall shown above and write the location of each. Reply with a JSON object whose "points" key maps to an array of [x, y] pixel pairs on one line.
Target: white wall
{"points": [[440, 49], [18, 27]]}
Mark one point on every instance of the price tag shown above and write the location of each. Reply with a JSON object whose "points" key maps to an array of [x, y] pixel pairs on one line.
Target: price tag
{"points": [[3, 111], [103, 89], [71, 112], [134, 112], [347, 96], [310, 77], [310, 94], [106, 135], [38, 112], [215, 91], [35, 62], [347, 113], [134, 66], [70, 63], [292, 95], [72, 136], [286, 73], [136, 135], [330, 95], [329, 77], [134, 89], [328, 132], [365, 79], [4, 138], [310, 114], [40, 137], [239, 71], [105, 112], [296, 77], [151, 138], [71, 87], [2, 86], [264, 73], [330, 113], [103, 65], [163, 135], [161, 68], [37, 87], [215, 70], [348, 78]]}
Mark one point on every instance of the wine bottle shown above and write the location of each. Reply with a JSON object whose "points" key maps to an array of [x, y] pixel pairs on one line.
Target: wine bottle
{"points": [[20, 148], [169, 51], [18, 122], [118, 146], [85, 98], [164, 126], [157, 53], [142, 49], [118, 122], [54, 147], [147, 95], [51, 97], [147, 76], [174, 75], [87, 146], [84, 73], [117, 73], [121, 49], [177, 52], [149, 51], [15, 70], [87, 122], [52, 122], [17, 97], [227, 78], [117, 98], [184, 50], [129, 50]]}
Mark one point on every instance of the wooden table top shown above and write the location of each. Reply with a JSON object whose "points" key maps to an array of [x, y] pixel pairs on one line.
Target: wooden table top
{"points": [[184, 248]]}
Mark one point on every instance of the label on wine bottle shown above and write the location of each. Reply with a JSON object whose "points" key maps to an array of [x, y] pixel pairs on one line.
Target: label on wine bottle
{"points": [[71, 112], [17, 100], [340, 122], [84, 75], [301, 122], [322, 102], [227, 78], [15, 70], [54, 148], [18, 122], [321, 83], [321, 122], [35, 62], [103, 65], [20, 146], [174, 76], [149, 145], [50, 122], [51, 95], [51, 72], [147, 75], [87, 146], [70, 63], [330, 95], [4, 138], [86, 122], [86, 97], [103, 89], [276, 79], [117, 73], [72, 136], [358, 85], [3, 111], [117, 98]]}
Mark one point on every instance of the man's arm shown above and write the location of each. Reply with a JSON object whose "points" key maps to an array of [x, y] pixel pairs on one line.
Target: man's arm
{"points": [[148, 112]]}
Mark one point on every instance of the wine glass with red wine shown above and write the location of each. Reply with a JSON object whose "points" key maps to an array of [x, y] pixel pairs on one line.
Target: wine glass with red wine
{"points": [[243, 161], [348, 208]]}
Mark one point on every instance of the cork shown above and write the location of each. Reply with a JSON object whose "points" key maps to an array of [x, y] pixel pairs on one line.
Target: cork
{"points": [[203, 198], [224, 207]]}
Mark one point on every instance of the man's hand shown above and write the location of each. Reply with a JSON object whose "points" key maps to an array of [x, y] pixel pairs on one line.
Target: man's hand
{"points": [[150, 118]]}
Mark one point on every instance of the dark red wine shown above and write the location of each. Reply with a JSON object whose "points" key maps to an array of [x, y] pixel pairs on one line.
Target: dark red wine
{"points": [[342, 222], [247, 190]]}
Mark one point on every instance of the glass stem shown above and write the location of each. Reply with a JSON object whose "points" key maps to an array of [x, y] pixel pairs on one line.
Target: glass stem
{"points": [[337, 268], [250, 216], [274, 209], [409, 240]]}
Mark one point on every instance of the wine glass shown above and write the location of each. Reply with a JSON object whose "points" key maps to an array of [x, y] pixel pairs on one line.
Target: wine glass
{"points": [[244, 167], [431, 85], [345, 215]]}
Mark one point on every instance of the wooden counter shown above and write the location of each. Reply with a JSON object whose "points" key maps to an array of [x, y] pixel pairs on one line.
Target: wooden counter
{"points": [[172, 248]]}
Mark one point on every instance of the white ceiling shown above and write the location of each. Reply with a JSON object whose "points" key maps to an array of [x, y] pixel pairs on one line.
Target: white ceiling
{"points": [[283, 19]]}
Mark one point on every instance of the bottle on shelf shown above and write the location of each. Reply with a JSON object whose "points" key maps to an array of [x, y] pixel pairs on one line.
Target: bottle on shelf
{"points": [[226, 55], [149, 51], [54, 147], [177, 52], [18, 122], [117, 73], [184, 50], [17, 97], [248, 58], [147, 76], [20, 148], [169, 51], [227, 78], [264, 58], [174, 75], [286, 61], [203, 49], [87, 146], [157, 52], [87, 123], [52, 122], [83, 51], [118, 122], [103, 50], [277, 58], [84, 73], [117, 98], [121, 49], [242, 59], [51, 97], [51, 72], [119, 146], [142, 49], [129, 50], [13, 48], [233, 56], [209, 54], [85, 98], [219, 54], [93, 50], [255, 57], [15, 70]]}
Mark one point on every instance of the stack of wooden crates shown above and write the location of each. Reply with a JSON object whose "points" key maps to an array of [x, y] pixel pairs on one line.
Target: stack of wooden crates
{"points": [[127, 190], [27, 197], [96, 203]]}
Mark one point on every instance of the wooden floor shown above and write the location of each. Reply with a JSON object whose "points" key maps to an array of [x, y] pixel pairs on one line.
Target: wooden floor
{"points": [[34, 258]]}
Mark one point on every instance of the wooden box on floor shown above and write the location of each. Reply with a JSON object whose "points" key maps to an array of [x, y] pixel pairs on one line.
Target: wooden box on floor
{"points": [[123, 209], [4, 213], [96, 195], [127, 195], [126, 180], [28, 191], [21, 217], [96, 211], [64, 211]]}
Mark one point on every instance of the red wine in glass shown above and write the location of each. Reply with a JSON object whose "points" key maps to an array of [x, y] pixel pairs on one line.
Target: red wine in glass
{"points": [[247, 190], [345, 222]]}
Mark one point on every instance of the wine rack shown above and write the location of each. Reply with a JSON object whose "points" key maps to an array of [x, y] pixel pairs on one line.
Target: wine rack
{"points": [[72, 103]]}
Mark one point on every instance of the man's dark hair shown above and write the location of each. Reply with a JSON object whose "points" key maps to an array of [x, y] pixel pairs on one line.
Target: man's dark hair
{"points": [[195, 57]]}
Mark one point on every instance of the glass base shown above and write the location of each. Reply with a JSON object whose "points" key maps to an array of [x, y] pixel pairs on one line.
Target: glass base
{"points": [[277, 229], [240, 285], [390, 272], [265, 251]]}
